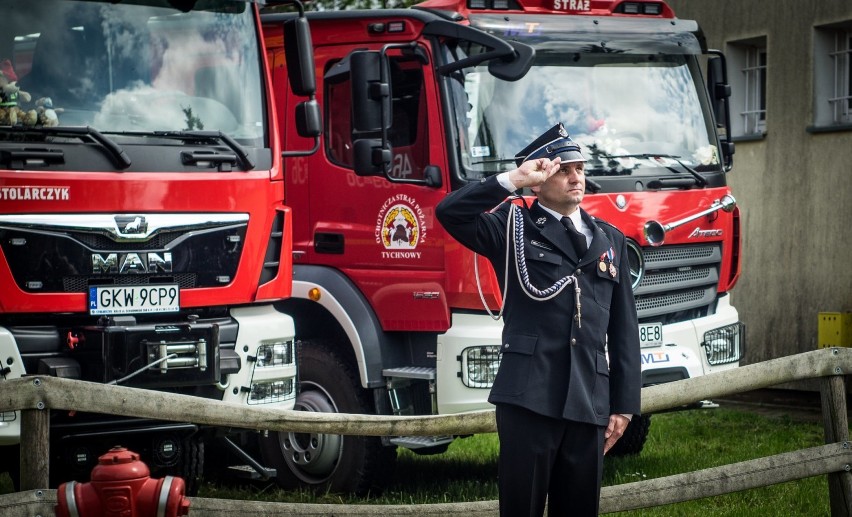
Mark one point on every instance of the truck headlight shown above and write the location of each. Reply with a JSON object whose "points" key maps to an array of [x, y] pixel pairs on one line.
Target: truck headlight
{"points": [[273, 373], [479, 365], [269, 392], [274, 354], [725, 344]]}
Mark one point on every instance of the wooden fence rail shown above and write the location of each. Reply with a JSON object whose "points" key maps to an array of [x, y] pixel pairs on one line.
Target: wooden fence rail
{"points": [[36, 395]]}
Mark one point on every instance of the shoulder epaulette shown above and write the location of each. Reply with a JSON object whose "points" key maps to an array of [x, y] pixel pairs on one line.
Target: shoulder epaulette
{"points": [[607, 223]]}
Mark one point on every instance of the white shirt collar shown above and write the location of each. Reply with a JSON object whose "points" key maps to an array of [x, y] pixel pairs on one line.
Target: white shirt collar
{"points": [[575, 216], [576, 219]]}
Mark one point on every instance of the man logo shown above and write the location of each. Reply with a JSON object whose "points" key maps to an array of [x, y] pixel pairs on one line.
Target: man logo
{"points": [[131, 263]]}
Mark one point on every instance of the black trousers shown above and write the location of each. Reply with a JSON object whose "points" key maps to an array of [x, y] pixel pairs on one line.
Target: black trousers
{"points": [[547, 459]]}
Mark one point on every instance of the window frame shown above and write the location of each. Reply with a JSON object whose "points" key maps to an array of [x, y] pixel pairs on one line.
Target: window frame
{"points": [[754, 111], [833, 75], [749, 62]]}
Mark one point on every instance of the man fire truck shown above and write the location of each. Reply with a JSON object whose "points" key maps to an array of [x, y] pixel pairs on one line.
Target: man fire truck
{"points": [[389, 309], [143, 234]]}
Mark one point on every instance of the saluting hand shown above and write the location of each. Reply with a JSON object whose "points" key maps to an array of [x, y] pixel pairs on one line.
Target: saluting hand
{"points": [[533, 173]]}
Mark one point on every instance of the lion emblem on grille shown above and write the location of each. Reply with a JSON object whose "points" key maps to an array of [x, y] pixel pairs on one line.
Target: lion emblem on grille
{"points": [[131, 224]]}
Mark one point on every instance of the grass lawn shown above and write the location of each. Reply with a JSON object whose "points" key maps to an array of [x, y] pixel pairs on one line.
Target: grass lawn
{"points": [[678, 442]]}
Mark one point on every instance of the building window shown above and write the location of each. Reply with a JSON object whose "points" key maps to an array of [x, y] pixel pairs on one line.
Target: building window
{"points": [[747, 65], [754, 112], [833, 75]]}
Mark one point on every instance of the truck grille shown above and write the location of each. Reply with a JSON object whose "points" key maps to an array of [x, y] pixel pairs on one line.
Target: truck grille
{"points": [[679, 282], [97, 241], [69, 253]]}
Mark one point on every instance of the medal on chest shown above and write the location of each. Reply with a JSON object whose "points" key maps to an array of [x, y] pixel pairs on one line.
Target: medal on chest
{"points": [[606, 263]]}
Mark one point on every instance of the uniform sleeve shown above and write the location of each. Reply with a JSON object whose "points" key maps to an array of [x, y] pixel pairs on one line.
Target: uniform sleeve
{"points": [[623, 344], [467, 217]]}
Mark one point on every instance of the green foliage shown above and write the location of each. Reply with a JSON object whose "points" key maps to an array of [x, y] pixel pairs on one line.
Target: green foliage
{"points": [[693, 440]]}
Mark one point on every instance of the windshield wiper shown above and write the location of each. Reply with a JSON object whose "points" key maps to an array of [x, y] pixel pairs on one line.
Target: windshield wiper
{"points": [[699, 179], [240, 155], [496, 160], [113, 150]]}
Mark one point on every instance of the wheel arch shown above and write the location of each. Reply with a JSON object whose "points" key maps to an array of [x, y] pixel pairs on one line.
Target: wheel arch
{"points": [[341, 313]]}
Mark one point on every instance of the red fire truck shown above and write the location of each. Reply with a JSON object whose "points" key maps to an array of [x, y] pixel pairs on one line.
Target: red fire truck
{"points": [[418, 102], [143, 233]]}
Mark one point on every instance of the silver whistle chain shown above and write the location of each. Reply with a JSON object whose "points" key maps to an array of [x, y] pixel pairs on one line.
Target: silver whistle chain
{"points": [[523, 274], [515, 228]]}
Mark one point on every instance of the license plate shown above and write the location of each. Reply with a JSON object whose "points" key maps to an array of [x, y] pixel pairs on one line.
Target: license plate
{"points": [[135, 299], [650, 334]]}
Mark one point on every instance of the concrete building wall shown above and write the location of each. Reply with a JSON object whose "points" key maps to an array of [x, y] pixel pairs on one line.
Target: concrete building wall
{"points": [[793, 185]]}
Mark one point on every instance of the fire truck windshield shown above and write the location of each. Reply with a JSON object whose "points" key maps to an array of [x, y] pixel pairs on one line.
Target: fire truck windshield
{"points": [[133, 67], [633, 114]]}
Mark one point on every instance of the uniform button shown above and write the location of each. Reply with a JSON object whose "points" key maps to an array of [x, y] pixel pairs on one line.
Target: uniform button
{"points": [[540, 255], [506, 345], [578, 272], [573, 341]]}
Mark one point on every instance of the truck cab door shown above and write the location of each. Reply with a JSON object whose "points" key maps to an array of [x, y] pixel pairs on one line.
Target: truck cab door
{"points": [[381, 231]]}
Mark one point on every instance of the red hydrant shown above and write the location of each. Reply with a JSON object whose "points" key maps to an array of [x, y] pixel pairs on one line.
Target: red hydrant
{"points": [[121, 486]]}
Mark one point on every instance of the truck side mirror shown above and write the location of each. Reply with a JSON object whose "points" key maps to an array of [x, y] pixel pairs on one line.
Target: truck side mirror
{"points": [[308, 119], [718, 87], [507, 60], [371, 95], [720, 99], [298, 50], [301, 74], [512, 68], [371, 157], [371, 112]]}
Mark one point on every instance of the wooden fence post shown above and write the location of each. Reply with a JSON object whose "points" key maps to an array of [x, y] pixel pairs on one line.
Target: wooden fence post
{"points": [[836, 426], [35, 446]]}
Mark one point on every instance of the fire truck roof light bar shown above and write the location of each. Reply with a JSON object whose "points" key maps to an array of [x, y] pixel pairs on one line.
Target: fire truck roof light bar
{"points": [[588, 7]]}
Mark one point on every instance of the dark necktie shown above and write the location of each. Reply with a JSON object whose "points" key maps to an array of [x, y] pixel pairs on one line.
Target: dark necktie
{"points": [[577, 238]]}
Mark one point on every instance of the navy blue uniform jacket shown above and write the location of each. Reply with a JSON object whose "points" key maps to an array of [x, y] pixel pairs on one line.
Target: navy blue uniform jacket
{"points": [[549, 365]]}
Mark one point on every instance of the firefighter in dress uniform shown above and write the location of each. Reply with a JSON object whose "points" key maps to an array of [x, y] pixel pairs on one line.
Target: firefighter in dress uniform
{"points": [[569, 379]]}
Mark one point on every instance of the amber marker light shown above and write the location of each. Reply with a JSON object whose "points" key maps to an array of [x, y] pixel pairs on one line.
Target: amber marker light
{"points": [[314, 294]]}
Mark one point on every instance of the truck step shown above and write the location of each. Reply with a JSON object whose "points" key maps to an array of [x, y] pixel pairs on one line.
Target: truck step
{"points": [[420, 442], [410, 372], [249, 472]]}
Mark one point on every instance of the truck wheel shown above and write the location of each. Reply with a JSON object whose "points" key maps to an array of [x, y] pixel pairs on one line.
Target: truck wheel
{"points": [[326, 462], [633, 439], [192, 464]]}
